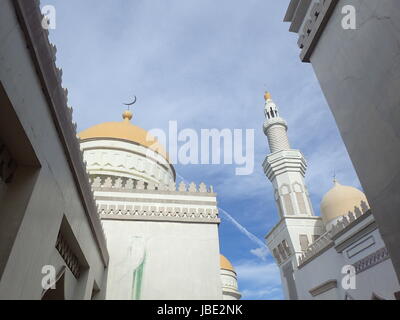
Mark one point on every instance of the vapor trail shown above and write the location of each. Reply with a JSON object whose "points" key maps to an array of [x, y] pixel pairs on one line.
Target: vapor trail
{"points": [[242, 229], [260, 252]]}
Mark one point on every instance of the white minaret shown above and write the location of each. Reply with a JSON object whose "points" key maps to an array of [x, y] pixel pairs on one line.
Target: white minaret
{"points": [[298, 226]]}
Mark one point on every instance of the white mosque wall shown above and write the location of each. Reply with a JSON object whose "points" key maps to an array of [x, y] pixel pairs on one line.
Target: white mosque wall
{"points": [[166, 238], [181, 260]]}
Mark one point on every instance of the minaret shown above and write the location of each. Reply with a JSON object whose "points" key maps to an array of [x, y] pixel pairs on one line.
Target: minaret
{"points": [[284, 167], [298, 226], [274, 126]]}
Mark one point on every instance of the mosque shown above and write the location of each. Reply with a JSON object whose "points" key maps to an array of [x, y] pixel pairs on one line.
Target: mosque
{"points": [[98, 215], [339, 255], [162, 238]]}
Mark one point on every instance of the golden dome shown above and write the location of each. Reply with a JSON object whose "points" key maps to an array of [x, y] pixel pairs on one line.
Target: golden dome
{"points": [[267, 96], [339, 201], [225, 264], [123, 130]]}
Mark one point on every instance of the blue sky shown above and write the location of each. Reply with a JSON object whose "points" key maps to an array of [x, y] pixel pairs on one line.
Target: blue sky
{"points": [[205, 64]]}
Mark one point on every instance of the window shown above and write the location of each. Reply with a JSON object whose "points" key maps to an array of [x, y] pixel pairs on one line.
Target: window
{"points": [[276, 255], [304, 242], [287, 248], [282, 251]]}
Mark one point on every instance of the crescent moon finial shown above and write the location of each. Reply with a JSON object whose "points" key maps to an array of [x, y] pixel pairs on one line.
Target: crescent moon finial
{"points": [[127, 115], [131, 103]]}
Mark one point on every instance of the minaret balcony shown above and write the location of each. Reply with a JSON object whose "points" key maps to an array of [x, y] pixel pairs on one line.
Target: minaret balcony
{"points": [[284, 161]]}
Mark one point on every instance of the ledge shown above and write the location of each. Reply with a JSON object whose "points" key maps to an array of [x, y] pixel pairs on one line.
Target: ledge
{"points": [[43, 57], [314, 24], [353, 224], [324, 287], [159, 219]]}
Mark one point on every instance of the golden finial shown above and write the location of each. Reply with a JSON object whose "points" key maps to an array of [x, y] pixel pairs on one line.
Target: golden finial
{"points": [[127, 115], [335, 182], [267, 96]]}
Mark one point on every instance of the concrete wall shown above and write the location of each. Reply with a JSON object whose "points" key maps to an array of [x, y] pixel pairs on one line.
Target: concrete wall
{"points": [[181, 260], [53, 193], [359, 72]]}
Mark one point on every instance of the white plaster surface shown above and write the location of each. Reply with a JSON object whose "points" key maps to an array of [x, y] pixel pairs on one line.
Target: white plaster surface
{"points": [[181, 260], [54, 193], [379, 279], [359, 72]]}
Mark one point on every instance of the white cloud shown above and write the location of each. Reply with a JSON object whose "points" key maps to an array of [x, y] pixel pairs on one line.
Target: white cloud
{"points": [[261, 253], [259, 280], [263, 273], [262, 294]]}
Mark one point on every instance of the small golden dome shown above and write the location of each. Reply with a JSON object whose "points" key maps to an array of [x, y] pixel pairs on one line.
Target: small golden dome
{"points": [[225, 264], [124, 130], [267, 96], [339, 201]]}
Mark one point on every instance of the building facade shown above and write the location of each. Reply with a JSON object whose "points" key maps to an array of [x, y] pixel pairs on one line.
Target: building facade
{"points": [[285, 168], [230, 289], [49, 227], [358, 69], [162, 238], [94, 215], [339, 255]]}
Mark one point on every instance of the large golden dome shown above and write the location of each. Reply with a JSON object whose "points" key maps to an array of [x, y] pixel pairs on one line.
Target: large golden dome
{"points": [[339, 201], [225, 264], [123, 130]]}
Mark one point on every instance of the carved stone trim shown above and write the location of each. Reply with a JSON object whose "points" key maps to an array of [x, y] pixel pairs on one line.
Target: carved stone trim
{"points": [[160, 219], [349, 222], [327, 240], [170, 166], [155, 200], [303, 261], [323, 243], [324, 287], [68, 256], [153, 213], [114, 184], [371, 260], [155, 192]]}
